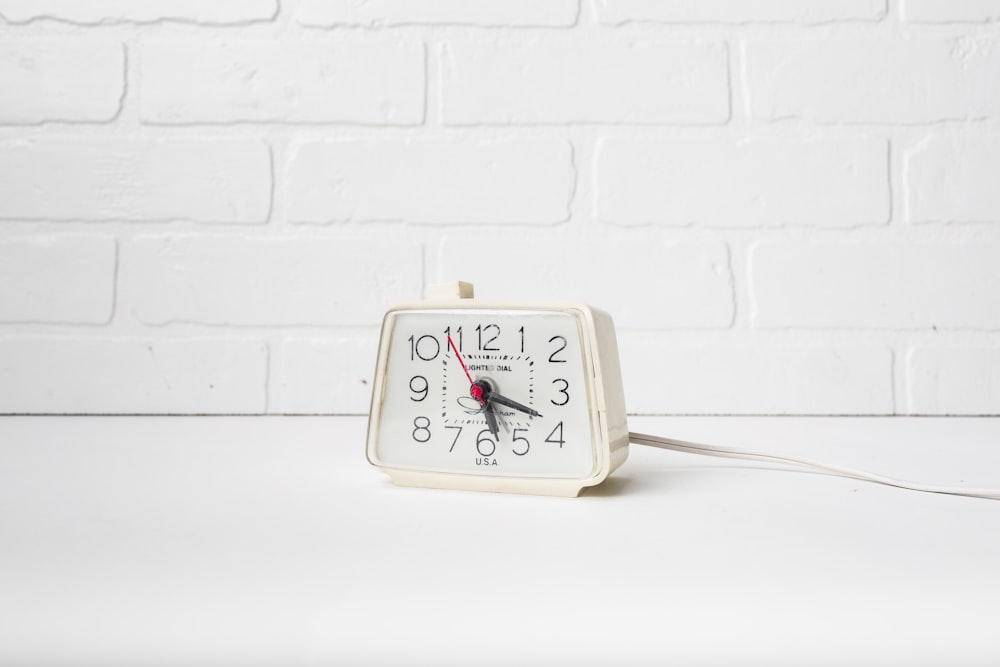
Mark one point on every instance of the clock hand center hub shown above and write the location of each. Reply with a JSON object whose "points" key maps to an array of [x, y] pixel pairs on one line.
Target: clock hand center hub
{"points": [[481, 390]]}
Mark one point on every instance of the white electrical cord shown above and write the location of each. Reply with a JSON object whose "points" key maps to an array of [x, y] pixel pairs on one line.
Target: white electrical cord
{"points": [[711, 450]]}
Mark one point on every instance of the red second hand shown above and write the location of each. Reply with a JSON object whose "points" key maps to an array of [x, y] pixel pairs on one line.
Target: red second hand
{"points": [[474, 390]]}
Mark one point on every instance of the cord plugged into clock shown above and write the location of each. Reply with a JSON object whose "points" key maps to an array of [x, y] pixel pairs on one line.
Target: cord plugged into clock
{"points": [[839, 471]]}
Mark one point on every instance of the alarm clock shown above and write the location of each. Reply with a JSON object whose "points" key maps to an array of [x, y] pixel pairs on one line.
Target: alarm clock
{"points": [[502, 396]]}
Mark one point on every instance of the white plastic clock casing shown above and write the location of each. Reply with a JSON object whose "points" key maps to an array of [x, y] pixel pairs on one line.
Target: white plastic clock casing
{"points": [[606, 407]]}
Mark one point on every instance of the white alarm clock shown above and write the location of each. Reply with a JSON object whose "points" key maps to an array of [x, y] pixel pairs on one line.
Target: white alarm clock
{"points": [[506, 396]]}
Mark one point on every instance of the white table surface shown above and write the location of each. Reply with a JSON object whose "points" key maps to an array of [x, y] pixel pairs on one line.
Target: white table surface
{"points": [[270, 541]]}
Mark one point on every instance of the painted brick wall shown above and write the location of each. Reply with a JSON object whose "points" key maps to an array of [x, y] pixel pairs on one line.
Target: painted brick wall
{"points": [[789, 206]]}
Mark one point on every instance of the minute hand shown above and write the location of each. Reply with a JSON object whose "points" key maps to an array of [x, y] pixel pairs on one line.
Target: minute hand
{"points": [[503, 400]]}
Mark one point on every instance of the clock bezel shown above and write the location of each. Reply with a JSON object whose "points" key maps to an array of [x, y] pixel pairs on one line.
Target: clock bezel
{"points": [[609, 449]]}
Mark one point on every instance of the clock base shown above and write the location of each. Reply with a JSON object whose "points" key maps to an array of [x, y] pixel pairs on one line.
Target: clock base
{"points": [[567, 488]]}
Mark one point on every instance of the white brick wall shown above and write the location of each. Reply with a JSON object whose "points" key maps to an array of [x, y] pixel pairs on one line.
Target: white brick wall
{"points": [[140, 11], [81, 80], [760, 377], [875, 285], [265, 281], [34, 285], [618, 12], [123, 178], [366, 82], [789, 207], [885, 80], [582, 80], [759, 182], [694, 280], [953, 11], [431, 180], [112, 375], [323, 374], [375, 13], [951, 379], [952, 178]]}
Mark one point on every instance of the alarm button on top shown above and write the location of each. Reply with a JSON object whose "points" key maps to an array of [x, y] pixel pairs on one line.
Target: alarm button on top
{"points": [[455, 290]]}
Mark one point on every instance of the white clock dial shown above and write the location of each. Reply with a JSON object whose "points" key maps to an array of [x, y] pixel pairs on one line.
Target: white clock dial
{"points": [[531, 366]]}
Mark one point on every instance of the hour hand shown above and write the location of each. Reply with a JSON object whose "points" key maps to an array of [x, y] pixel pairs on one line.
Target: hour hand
{"points": [[503, 400], [491, 420]]}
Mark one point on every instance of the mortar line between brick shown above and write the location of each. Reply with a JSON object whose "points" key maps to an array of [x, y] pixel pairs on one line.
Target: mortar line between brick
{"points": [[126, 65], [890, 169], [268, 219], [427, 83], [893, 380], [267, 376], [114, 283]]}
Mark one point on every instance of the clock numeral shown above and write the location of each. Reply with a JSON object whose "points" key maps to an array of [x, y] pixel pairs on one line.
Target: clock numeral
{"points": [[480, 440], [419, 380], [527, 445], [562, 391], [421, 432], [558, 433], [457, 436], [521, 331], [485, 346], [458, 334], [552, 357], [426, 347]]}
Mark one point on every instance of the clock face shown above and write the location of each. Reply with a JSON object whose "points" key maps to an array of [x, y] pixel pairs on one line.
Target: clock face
{"points": [[486, 392]]}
